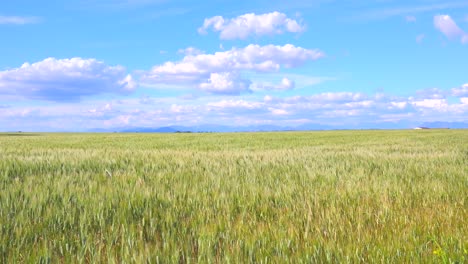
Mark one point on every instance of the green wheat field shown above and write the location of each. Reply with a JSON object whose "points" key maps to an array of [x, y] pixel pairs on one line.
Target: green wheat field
{"points": [[282, 197]]}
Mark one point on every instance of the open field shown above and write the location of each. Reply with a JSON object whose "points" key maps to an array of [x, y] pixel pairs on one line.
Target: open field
{"points": [[337, 196]]}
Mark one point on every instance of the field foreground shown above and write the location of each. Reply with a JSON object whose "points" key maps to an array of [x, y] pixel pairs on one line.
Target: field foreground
{"points": [[338, 196]]}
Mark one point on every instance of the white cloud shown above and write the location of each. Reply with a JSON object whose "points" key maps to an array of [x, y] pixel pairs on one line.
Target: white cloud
{"points": [[253, 57], [268, 98], [65, 79], [225, 83], [461, 91], [102, 111], [360, 104], [398, 105], [342, 109], [340, 97], [18, 20], [190, 51], [430, 93], [275, 81], [430, 103], [127, 83], [395, 117], [285, 84], [236, 104], [246, 25], [341, 113], [214, 72], [446, 25], [276, 111]]}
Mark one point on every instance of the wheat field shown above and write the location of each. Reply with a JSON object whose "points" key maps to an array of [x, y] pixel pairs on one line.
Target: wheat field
{"points": [[282, 197]]}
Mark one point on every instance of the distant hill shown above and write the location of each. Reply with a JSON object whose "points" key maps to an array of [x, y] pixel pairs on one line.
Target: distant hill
{"points": [[259, 128], [453, 125], [149, 130]]}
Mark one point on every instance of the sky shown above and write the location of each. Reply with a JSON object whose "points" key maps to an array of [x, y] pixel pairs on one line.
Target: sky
{"points": [[80, 65]]}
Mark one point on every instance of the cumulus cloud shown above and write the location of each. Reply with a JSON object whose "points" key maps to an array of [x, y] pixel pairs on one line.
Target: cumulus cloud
{"points": [[431, 93], [18, 20], [397, 105], [446, 25], [246, 25], [430, 103], [220, 72], [225, 83], [286, 84], [65, 79], [253, 57], [461, 91]]}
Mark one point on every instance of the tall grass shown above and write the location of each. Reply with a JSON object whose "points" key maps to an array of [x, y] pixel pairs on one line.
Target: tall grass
{"points": [[340, 196]]}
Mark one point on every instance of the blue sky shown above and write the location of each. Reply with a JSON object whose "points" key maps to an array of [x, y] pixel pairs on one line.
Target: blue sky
{"points": [[79, 65]]}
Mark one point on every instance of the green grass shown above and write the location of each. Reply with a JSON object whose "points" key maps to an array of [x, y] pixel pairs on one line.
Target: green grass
{"points": [[338, 196]]}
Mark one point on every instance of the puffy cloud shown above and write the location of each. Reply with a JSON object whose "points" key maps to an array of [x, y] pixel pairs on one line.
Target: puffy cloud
{"points": [[245, 25], [18, 20], [430, 103], [461, 91], [220, 72], [446, 25], [431, 93], [253, 57], [398, 105], [65, 79], [225, 83], [286, 84]]}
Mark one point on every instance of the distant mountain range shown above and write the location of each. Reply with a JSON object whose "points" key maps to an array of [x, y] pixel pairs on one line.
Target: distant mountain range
{"points": [[452, 125], [210, 128], [259, 128]]}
